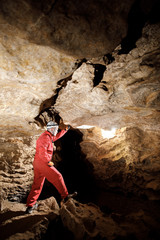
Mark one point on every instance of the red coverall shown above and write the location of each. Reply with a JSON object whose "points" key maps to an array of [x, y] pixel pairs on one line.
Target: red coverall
{"points": [[44, 151]]}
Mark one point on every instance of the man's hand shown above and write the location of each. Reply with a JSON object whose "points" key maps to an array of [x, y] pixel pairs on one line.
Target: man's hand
{"points": [[54, 147], [67, 128], [50, 164]]}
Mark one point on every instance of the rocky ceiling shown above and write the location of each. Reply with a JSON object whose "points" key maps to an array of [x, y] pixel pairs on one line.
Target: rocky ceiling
{"points": [[94, 63], [43, 46]]}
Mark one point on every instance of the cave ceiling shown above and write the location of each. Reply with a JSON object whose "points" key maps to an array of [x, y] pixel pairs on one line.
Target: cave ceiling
{"points": [[92, 62]]}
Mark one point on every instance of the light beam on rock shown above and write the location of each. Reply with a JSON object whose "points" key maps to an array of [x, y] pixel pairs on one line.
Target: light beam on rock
{"points": [[85, 126], [108, 134]]}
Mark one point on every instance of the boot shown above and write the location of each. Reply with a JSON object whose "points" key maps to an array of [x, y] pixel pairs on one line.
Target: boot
{"points": [[30, 209], [68, 197]]}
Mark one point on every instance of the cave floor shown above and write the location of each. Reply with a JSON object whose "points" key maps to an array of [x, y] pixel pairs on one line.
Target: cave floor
{"points": [[139, 217]]}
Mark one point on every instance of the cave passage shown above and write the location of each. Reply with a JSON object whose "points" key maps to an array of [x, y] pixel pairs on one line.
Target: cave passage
{"points": [[78, 176], [113, 202], [75, 170]]}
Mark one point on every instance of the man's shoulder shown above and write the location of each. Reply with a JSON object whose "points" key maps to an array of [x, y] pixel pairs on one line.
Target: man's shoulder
{"points": [[45, 135]]}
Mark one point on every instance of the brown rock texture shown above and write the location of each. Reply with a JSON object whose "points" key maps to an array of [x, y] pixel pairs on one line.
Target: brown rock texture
{"points": [[128, 162], [15, 224], [28, 76], [127, 94], [86, 221], [16, 156], [94, 63], [54, 23]]}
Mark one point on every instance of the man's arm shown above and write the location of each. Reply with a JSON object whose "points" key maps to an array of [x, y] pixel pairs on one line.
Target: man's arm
{"points": [[61, 133], [42, 149]]}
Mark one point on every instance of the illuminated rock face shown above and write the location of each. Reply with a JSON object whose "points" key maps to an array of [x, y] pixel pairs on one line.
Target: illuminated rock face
{"points": [[128, 162], [127, 94], [126, 97], [28, 76]]}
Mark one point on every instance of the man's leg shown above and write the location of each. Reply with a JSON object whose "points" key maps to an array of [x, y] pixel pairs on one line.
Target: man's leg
{"points": [[36, 188], [55, 177]]}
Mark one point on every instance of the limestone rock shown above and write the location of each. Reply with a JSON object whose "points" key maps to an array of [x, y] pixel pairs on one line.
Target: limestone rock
{"points": [[29, 73], [130, 161], [37, 74], [87, 221], [71, 26], [127, 94], [16, 170], [18, 225]]}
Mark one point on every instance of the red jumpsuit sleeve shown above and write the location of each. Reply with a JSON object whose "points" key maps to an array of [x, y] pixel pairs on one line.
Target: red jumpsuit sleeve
{"points": [[42, 149], [59, 135]]}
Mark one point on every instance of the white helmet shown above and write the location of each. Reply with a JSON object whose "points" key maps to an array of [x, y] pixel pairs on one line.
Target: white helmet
{"points": [[51, 124]]}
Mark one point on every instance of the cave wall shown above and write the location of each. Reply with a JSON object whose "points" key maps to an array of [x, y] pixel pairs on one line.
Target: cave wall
{"points": [[125, 98], [70, 25], [127, 94], [94, 63], [57, 58], [128, 162], [16, 169]]}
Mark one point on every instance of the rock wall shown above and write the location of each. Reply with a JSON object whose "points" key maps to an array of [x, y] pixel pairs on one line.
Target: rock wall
{"points": [[127, 93], [28, 76], [64, 26], [128, 162], [86, 221], [125, 98], [17, 154]]}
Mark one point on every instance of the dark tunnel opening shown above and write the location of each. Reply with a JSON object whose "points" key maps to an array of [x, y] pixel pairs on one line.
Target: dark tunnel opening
{"points": [[98, 73], [70, 162]]}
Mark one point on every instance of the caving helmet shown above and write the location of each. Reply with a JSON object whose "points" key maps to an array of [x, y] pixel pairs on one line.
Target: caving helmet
{"points": [[51, 124], [52, 127]]}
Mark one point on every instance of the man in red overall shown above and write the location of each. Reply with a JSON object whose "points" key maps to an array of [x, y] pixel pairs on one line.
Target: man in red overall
{"points": [[43, 166]]}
